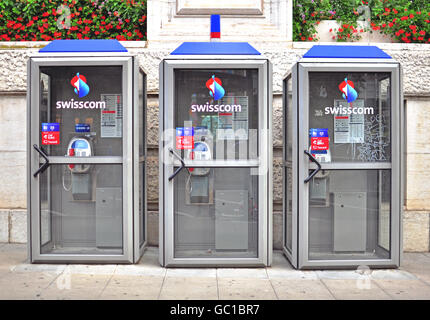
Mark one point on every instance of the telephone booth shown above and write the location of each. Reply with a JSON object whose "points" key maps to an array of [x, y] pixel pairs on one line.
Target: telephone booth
{"points": [[215, 156], [343, 144], [86, 153]]}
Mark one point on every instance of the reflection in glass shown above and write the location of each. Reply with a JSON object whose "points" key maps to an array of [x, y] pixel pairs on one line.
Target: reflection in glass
{"points": [[81, 212], [216, 213], [358, 131], [142, 141], [59, 101], [226, 121], [349, 214], [288, 182]]}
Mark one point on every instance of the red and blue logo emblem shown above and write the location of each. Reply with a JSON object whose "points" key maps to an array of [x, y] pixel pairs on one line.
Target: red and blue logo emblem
{"points": [[216, 90], [79, 82], [348, 91]]}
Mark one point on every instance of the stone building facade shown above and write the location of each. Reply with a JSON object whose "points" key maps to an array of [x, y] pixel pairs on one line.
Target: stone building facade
{"points": [[267, 25]]}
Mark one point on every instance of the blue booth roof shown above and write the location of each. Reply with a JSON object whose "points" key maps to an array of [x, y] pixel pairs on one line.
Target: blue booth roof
{"points": [[333, 51], [95, 45], [215, 48]]}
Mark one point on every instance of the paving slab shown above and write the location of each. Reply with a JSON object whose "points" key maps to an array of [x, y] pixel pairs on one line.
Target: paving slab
{"points": [[274, 273], [280, 261], [405, 289], [364, 289], [12, 254], [140, 270], [392, 275], [240, 273], [243, 289], [16, 285], [76, 286], [150, 257], [339, 274], [101, 269], [418, 264], [26, 267], [132, 287], [301, 289], [187, 288], [191, 272]]}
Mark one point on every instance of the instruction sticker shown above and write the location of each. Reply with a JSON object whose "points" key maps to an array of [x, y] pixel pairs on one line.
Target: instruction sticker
{"points": [[233, 125], [50, 133], [111, 116], [349, 127], [319, 139], [184, 138]]}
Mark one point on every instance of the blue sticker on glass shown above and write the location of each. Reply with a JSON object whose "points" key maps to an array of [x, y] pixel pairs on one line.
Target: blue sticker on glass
{"points": [[49, 127], [82, 127], [318, 132], [179, 132], [188, 131]]}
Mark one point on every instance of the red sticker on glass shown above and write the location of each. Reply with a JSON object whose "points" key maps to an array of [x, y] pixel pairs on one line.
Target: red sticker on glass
{"points": [[319, 143], [50, 137]]}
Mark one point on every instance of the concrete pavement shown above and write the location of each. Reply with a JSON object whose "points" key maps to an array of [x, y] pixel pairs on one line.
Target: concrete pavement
{"points": [[147, 280]]}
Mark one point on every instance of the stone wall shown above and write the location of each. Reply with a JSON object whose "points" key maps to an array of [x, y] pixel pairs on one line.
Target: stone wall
{"points": [[415, 60]]}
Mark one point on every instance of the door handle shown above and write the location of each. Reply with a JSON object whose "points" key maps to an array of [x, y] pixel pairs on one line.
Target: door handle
{"points": [[180, 168], [44, 156], [311, 157]]}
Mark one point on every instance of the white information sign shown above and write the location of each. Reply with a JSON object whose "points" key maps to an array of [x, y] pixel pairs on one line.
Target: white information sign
{"points": [[233, 125], [111, 116], [349, 128]]}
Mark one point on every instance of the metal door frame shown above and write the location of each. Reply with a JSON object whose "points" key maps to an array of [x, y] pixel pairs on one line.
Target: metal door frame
{"points": [[166, 202], [292, 256], [137, 159], [395, 165], [34, 161]]}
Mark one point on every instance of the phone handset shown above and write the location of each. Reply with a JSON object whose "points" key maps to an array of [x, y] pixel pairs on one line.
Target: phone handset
{"points": [[78, 147], [201, 151]]}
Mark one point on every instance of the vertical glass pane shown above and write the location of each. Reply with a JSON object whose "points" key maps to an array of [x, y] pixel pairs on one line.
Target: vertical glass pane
{"points": [[81, 102], [288, 178], [45, 214], [349, 214], [85, 210], [142, 139], [350, 116], [217, 110], [216, 214], [141, 203]]}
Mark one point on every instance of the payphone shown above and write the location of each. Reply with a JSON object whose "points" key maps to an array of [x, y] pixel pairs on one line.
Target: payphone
{"points": [[86, 153], [80, 174], [342, 154], [215, 147]]}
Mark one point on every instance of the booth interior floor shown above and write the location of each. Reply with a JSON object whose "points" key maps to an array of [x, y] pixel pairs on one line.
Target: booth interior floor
{"points": [[147, 280]]}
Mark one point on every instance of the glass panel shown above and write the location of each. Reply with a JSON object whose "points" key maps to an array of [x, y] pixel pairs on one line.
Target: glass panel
{"points": [[216, 213], [216, 113], [288, 136], [142, 203], [348, 209], [81, 213], [349, 116], [142, 139], [80, 101]]}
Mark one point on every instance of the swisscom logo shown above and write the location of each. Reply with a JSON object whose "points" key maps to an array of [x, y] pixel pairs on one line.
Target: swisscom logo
{"points": [[348, 91], [79, 82], [81, 88], [216, 90]]}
